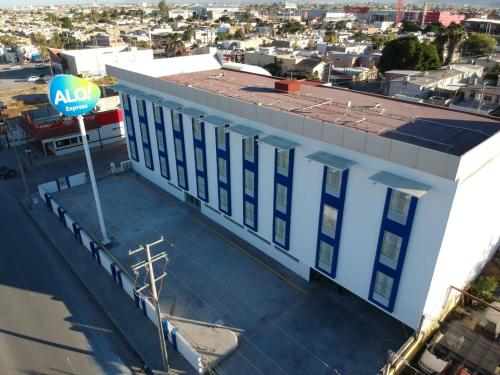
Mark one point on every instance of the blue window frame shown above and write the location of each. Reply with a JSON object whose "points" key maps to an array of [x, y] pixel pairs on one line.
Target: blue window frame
{"points": [[222, 148], [200, 158], [250, 149], [180, 151], [146, 140], [391, 248], [282, 207], [161, 141], [330, 219], [129, 124]]}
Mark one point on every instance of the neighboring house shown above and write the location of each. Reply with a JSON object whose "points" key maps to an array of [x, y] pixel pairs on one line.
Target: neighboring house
{"points": [[483, 25], [356, 74], [479, 98], [308, 67], [92, 62], [421, 84]]}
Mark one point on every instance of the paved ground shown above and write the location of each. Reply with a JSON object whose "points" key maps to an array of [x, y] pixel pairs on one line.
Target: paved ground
{"points": [[16, 79], [284, 324], [48, 322]]}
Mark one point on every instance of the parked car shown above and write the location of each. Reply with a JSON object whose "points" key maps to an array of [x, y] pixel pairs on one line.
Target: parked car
{"points": [[490, 321], [6, 173], [40, 65], [15, 67], [32, 78], [432, 365]]}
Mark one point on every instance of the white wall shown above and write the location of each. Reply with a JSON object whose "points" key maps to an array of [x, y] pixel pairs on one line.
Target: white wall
{"points": [[472, 234]]}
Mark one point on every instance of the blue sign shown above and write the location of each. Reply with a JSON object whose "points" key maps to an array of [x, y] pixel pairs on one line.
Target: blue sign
{"points": [[73, 96]]}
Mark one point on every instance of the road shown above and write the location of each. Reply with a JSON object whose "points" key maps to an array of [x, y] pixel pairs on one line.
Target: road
{"points": [[48, 322], [16, 79]]}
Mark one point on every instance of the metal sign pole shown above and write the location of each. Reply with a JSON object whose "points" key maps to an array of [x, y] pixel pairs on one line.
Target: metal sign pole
{"points": [[105, 240]]}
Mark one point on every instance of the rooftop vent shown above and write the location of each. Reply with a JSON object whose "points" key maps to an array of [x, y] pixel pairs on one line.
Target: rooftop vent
{"points": [[287, 86]]}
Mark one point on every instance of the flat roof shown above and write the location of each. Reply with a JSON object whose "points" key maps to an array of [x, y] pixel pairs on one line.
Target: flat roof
{"points": [[428, 126]]}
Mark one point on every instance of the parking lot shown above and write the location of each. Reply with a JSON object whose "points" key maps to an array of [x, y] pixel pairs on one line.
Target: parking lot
{"points": [[283, 323]]}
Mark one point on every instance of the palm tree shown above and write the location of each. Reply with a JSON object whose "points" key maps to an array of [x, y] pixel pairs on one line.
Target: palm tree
{"points": [[450, 39], [175, 46]]}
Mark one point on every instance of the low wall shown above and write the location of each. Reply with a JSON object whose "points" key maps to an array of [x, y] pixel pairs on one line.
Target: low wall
{"points": [[120, 277]]}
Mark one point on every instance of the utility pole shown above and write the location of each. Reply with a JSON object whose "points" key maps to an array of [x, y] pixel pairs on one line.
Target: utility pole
{"points": [[148, 265], [23, 176]]}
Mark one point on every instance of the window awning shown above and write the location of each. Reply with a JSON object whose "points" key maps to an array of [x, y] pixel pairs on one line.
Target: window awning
{"points": [[170, 105], [152, 98], [405, 185], [330, 160], [216, 121], [244, 131], [118, 87], [193, 112], [278, 142]]}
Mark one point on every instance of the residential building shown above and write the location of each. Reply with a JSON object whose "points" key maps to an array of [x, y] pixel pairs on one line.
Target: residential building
{"points": [[483, 25], [420, 84], [393, 201], [92, 62]]}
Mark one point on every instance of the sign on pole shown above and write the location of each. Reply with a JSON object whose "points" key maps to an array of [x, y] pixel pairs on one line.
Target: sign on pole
{"points": [[73, 96]]}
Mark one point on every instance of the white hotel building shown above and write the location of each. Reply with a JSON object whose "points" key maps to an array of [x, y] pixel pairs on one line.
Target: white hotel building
{"points": [[394, 201]]}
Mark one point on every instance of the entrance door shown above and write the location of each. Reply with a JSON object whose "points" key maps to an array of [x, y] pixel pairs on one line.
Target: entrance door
{"points": [[193, 201]]}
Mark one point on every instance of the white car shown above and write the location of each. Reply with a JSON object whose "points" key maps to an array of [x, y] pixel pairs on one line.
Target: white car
{"points": [[15, 67], [32, 78], [40, 65]]}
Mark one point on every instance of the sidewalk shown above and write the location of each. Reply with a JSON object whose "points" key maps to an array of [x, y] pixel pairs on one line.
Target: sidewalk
{"points": [[140, 333]]}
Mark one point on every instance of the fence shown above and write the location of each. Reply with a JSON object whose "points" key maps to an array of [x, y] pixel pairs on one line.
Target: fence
{"points": [[120, 277]]}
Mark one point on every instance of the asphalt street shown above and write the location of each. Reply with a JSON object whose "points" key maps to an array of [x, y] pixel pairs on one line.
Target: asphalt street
{"points": [[48, 322], [16, 79]]}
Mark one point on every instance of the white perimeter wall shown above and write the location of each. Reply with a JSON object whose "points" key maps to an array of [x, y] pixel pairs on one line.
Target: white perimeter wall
{"points": [[362, 214], [472, 234]]}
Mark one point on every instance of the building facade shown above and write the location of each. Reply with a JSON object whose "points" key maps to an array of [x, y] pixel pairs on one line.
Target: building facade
{"points": [[394, 216]]}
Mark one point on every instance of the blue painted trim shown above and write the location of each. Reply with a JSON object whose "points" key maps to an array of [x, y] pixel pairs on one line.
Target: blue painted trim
{"points": [[137, 299], [131, 136], [224, 154], [94, 248], [160, 127], [143, 305], [338, 203], [58, 185], [119, 277], [201, 144], [143, 120], [67, 181], [180, 136], [48, 201], [61, 211], [164, 326], [252, 167], [77, 231], [404, 232], [112, 267], [288, 182], [174, 339]]}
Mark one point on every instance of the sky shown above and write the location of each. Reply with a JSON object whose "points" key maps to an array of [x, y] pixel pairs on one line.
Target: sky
{"points": [[20, 3]]}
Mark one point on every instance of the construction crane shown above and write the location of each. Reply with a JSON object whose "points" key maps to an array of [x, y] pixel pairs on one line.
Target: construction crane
{"points": [[399, 11]]}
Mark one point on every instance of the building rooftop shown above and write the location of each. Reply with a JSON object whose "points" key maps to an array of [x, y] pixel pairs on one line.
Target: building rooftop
{"points": [[437, 128]]}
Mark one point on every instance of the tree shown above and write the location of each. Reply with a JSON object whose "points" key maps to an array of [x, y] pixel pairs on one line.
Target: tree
{"points": [[478, 45], [188, 33], [224, 19], [331, 37], [409, 27], [175, 46], [449, 40], [341, 25], [408, 53], [163, 8], [239, 35], [380, 39], [434, 27], [275, 67], [292, 27]]}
